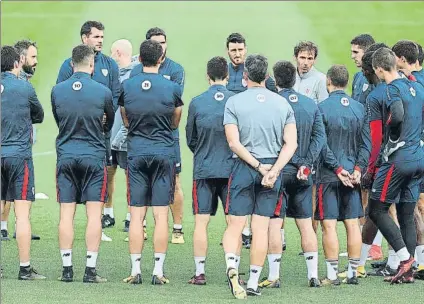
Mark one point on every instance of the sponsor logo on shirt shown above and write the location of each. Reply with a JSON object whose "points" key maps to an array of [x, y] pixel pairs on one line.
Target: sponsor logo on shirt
{"points": [[365, 87], [76, 86], [167, 77], [219, 96], [411, 89], [105, 72], [146, 85], [260, 98], [293, 98], [344, 101]]}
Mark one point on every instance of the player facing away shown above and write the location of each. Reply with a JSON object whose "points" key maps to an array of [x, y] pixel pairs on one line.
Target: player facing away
{"points": [[151, 106], [83, 112], [297, 181], [20, 108], [212, 160], [360, 85], [261, 131], [174, 72], [399, 177], [339, 170]]}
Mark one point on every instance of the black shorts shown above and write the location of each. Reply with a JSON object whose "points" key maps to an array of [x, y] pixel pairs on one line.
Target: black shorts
{"points": [[337, 202], [119, 158], [17, 179], [247, 196], [81, 180], [398, 182], [206, 193], [299, 196], [150, 180]]}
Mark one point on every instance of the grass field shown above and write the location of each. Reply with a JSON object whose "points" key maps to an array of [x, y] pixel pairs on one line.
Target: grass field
{"points": [[196, 32]]}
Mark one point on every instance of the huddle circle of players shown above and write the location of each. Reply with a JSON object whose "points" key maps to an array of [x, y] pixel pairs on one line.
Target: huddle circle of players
{"points": [[294, 145]]}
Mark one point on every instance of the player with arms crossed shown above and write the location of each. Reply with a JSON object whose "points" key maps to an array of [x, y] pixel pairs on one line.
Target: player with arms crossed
{"points": [[212, 157], [261, 131], [20, 108], [151, 106]]}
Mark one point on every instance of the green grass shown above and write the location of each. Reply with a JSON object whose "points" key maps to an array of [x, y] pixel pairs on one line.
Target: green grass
{"points": [[196, 32]]}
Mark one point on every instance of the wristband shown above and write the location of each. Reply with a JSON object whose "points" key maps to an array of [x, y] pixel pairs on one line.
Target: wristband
{"points": [[306, 171], [357, 168], [258, 166], [338, 170]]}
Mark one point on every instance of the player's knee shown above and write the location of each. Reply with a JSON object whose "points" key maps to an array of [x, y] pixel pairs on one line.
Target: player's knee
{"points": [[160, 213], [202, 220], [328, 226]]}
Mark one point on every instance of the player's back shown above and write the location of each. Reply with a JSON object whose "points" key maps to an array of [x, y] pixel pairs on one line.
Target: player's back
{"points": [[150, 101], [79, 104], [419, 76], [19, 109]]}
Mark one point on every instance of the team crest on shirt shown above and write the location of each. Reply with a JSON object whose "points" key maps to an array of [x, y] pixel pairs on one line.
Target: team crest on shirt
{"points": [[105, 72], [365, 87], [293, 98], [243, 82], [219, 96], [260, 98], [76, 86], [167, 77], [146, 85], [307, 91], [2, 88], [412, 90], [344, 101]]}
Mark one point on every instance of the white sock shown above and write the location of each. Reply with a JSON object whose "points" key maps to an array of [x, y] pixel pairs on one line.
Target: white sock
{"points": [[135, 264], [200, 265], [274, 261], [255, 273], [66, 257], [91, 259], [353, 265], [332, 269], [26, 264], [237, 261], [178, 226], [393, 260], [419, 255], [283, 239], [378, 239], [230, 260], [311, 259], [3, 225], [128, 218], [403, 254], [159, 260], [144, 223], [365, 249], [246, 231], [109, 211]]}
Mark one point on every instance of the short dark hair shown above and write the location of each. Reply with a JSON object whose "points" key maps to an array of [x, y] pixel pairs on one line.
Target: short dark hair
{"points": [[9, 56], [285, 74], [235, 38], [420, 54], [88, 25], [338, 75], [155, 31], [256, 67], [81, 54], [217, 68], [384, 58], [367, 62], [22, 46], [363, 41], [374, 47], [306, 46], [150, 52], [407, 49]]}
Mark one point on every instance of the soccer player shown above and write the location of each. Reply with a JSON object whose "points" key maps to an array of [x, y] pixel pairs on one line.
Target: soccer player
{"points": [[20, 108], [151, 106], [121, 52], [174, 72], [309, 81], [80, 106], [400, 174], [297, 182], [28, 53], [261, 131], [212, 157], [407, 52], [339, 173], [360, 86], [106, 72]]}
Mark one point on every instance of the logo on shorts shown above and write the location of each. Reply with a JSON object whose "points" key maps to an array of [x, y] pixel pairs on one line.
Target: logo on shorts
{"points": [[244, 82], [77, 85], [293, 98], [33, 190], [178, 165], [219, 96], [2, 88], [344, 101], [413, 93], [260, 98], [105, 72], [365, 87], [167, 77], [146, 85]]}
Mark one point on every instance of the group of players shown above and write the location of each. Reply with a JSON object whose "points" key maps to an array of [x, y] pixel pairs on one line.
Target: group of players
{"points": [[256, 141]]}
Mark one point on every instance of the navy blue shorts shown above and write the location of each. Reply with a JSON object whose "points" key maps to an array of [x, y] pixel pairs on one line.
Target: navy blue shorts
{"points": [[334, 201], [247, 196], [119, 158], [81, 180], [206, 193], [178, 163], [299, 196], [398, 182], [17, 179], [150, 180]]}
